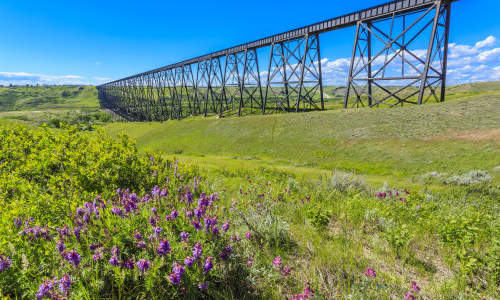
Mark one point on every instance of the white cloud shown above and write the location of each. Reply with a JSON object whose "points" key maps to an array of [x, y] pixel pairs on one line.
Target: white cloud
{"points": [[488, 42], [22, 78]]}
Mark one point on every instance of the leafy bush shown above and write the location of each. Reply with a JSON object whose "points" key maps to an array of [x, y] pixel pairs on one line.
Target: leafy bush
{"points": [[319, 216]]}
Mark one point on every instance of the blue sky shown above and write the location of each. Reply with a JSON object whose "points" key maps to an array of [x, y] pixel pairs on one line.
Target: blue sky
{"points": [[92, 42]]}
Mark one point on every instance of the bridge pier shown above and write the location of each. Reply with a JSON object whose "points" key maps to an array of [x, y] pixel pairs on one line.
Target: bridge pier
{"points": [[400, 72]]}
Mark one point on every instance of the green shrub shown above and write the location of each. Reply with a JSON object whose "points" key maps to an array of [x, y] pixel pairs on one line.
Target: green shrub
{"points": [[319, 216], [345, 182]]}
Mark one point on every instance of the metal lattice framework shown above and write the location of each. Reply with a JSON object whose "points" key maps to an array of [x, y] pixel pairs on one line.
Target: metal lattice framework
{"points": [[389, 66]]}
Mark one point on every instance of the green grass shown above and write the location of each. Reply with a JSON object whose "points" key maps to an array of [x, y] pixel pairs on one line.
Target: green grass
{"points": [[36, 105], [385, 143], [47, 97]]}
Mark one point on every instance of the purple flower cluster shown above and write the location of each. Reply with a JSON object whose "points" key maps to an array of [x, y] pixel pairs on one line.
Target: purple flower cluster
{"points": [[225, 252], [370, 272], [414, 289], [176, 275], [208, 265], [197, 251], [308, 294], [5, 263], [143, 265], [48, 288], [393, 194], [36, 232], [184, 236], [284, 270], [163, 247], [92, 225]]}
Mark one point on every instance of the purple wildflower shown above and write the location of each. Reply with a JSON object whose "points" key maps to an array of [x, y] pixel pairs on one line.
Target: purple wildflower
{"points": [[277, 262], [164, 247], [97, 255], [225, 226], [114, 261], [178, 269], [173, 215], [414, 286], [115, 251], [188, 261], [203, 286], [409, 296], [45, 290], [174, 278], [158, 230], [60, 246], [141, 244], [197, 251], [137, 235], [18, 222], [208, 265], [94, 246], [63, 231], [76, 231], [5, 263], [370, 272], [117, 211], [80, 211], [129, 264], [65, 284], [153, 210], [143, 265], [152, 220], [184, 236], [248, 235], [73, 257], [196, 224], [215, 230], [164, 193], [286, 271], [225, 252], [155, 191]]}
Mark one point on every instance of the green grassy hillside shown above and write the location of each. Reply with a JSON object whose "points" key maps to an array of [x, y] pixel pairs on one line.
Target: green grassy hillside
{"points": [[37, 105], [47, 97], [386, 144]]}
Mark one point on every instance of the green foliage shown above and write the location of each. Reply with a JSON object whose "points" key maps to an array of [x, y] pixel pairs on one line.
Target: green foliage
{"points": [[398, 237], [319, 216], [46, 173]]}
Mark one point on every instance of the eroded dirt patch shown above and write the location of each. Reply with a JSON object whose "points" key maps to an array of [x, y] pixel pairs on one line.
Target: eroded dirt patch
{"points": [[469, 135]]}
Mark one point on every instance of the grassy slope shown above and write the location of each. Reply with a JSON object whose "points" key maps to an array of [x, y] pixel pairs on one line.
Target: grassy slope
{"points": [[47, 97], [385, 144], [36, 105]]}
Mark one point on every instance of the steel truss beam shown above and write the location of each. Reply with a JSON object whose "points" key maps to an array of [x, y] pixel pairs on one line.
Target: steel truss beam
{"points": [[416, 76]]}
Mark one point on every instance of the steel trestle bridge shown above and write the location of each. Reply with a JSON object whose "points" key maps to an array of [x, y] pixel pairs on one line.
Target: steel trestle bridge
{"points": [[399, 56]]}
